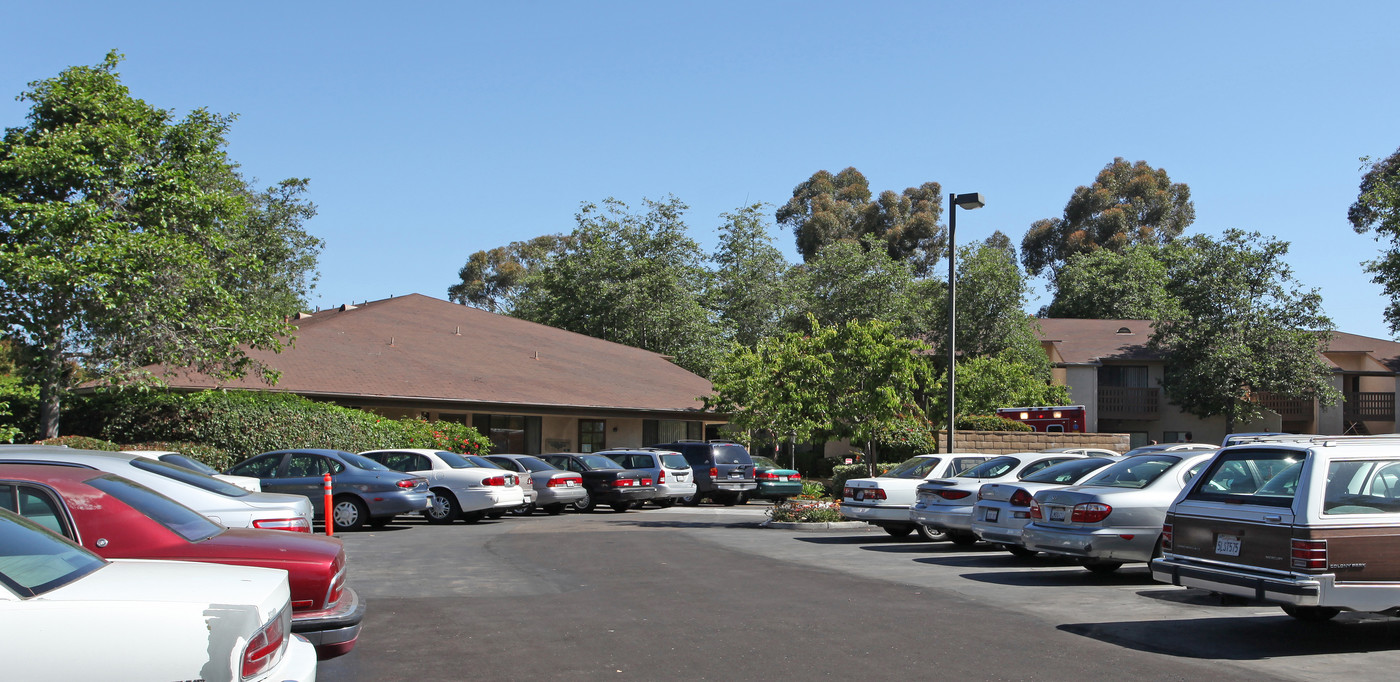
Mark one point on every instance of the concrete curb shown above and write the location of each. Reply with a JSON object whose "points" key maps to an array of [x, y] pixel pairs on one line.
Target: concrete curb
{"points": [[822, 525]]}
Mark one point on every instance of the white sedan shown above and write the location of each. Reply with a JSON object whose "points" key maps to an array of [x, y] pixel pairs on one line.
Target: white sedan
{"points": [[459, 487], [884, 501], [67, 614], [224, 503], [169, 457]]}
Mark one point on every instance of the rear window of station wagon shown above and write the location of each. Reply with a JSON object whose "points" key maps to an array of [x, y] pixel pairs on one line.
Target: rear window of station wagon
{"points": [[1255, 476]]}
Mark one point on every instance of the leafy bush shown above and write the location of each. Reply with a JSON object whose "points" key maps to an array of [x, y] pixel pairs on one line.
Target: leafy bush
{"points": [[806, 511], [235, 425], [845, 472], [208, 454], [82, 443], [982, 422], [814, 489], [19, 410]]}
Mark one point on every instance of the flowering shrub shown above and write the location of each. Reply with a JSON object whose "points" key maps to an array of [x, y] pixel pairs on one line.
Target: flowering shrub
{"points": [[450, 436], [806, 511]]}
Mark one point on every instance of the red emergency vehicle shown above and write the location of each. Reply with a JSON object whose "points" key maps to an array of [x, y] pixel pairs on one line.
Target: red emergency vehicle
{"points": [[1062, 418]]}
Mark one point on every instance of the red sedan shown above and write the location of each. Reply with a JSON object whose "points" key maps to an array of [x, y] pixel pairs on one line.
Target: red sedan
{"points": [[121, 519]]}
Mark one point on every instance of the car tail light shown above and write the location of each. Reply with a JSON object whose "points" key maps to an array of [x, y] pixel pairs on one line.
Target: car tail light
{"points": [[1310, 555], [794, 477], [714, 472], [1035, 509], [295, 525], [765, 475], [337, 587], [953, 494], [661, 477], [1090, 512], [866, 493], [646, 481], [494, 480], [1166, 537], [410, 483], [266, 646], [622, 483], [1021, 498], [562, 481]]}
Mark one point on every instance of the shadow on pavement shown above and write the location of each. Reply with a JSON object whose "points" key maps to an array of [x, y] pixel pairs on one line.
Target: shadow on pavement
{"points": [[1072, 576], [1246, 638]]}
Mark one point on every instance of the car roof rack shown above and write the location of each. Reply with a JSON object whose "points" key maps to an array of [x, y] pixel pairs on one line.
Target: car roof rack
{"points": [[1323, 440]]}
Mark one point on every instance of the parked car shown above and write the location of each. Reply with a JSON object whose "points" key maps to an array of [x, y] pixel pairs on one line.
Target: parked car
{"points": [[460, 488], [555, 488], [1003, 509], [222, 502], [605, 481], [1116, 516], [672, 475], [775, 482], [885, 500], [1086, 451], [169, 457], [68, 614], [945, 504], [723, 469], [117, 518], [527, 485], [1249, 437], [1170, 447], [363, 490], [1309, 525]]}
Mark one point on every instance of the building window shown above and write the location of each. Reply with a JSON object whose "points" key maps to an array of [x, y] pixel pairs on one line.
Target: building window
{"points": [[510, 434], [592, 435], [1123, 376], [670, 430]]}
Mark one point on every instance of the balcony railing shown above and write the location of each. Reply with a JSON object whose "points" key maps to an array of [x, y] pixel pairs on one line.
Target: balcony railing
{"points": [[1128, 403], [1369, 406], [1291, 409]]}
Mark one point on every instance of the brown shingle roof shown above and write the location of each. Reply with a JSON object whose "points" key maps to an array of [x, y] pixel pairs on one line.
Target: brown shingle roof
{"points": [[418, 347], [1091, 341]]}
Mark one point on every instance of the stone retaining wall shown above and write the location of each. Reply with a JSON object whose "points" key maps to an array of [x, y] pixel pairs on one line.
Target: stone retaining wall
{"points": [[1005, 442]]}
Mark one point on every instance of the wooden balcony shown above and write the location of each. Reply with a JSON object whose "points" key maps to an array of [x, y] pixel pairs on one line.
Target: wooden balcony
{"points": [[1128, 403], [1291, 409], [1369, 406]]}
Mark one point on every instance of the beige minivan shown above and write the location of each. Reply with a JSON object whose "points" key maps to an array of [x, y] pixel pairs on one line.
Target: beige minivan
{"points": [[1311, 523]]}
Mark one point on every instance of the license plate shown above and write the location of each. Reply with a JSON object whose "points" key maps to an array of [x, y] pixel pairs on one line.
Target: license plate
{"points": [[783, 479], [1227, 545], [569, 484], [1057, 513], [990, 514], [736, 474], [859, 495]]}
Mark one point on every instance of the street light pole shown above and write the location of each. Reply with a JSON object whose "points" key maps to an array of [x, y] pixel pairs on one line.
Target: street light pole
{"points": [[968, 201]]}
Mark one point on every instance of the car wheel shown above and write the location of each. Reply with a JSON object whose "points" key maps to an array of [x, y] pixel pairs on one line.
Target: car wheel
{"points": [[524, 509], [929, 533], [962, 539], [380, 521], [731, 500], [349, 513], [584, 503], [495, 514], [1021, 552], [664, 502], [444, 508], [898, 531], [1312, 614], [473, 516], [620, 507], [554, 509], [1103, 567], [692, 500]]}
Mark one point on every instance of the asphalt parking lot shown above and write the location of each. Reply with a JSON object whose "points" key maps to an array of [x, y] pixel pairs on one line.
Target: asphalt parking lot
{"points": [[707, 594]]}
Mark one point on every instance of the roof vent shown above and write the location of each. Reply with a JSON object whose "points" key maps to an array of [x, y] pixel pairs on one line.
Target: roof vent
{"points": [[302, 316], [1124, 330], [346, 306]]}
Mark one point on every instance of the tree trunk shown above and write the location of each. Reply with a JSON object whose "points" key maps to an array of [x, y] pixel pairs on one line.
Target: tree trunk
{"points": [[50, 388]]}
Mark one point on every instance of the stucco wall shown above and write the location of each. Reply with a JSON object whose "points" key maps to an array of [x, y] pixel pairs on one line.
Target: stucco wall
{"points": [[1006, 442]]}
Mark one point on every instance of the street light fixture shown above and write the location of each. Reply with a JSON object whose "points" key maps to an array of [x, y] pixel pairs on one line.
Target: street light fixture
{"points": [[968, 201]]}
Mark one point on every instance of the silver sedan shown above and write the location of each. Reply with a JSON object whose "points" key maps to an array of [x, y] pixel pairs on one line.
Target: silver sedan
{"points": [[1003, 509], [1116, 516]]}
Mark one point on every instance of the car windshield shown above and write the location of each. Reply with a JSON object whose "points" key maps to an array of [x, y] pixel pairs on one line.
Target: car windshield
{"points": [[362, 462], [991, 468], [34, 561], [731, 454], [1250, 476], [765, 463], [598, 462], [457, 461], [482, 462], [181, 520], [188, 463], [918, 467], [536, 464], [1068, 472], [674, 461], [1138, 472], [193, 478]]}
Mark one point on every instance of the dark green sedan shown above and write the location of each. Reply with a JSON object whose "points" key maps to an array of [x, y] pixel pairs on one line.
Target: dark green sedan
{"points": [[774, 481]]}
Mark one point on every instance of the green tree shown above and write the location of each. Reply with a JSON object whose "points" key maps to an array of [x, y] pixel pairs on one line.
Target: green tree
{"points": [[492, 280], [827, 208], [1127, 204], [128, 238], [1244, 326], [1109, 285], [844, 282], [1377, 208], [1005, 380], [750, 295], [633, 278], [855, 380]]}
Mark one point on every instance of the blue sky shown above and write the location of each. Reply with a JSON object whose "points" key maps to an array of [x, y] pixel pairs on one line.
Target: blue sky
{"points": [[433, 130]]}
